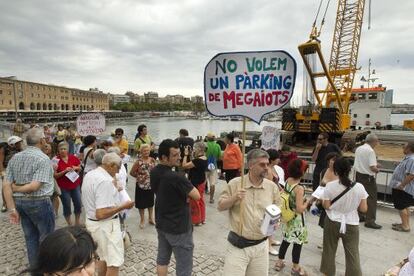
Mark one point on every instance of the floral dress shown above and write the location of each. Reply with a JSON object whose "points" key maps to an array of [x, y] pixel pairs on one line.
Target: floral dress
{"points": [[295, 230], [144, 196]]}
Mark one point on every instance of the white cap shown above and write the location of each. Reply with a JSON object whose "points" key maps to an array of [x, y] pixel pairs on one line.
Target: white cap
{"points": [[13, 140]]}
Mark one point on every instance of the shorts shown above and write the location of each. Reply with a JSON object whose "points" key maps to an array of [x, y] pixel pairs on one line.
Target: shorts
{"points": [[107, 234], [401, 199], [182, 245]]}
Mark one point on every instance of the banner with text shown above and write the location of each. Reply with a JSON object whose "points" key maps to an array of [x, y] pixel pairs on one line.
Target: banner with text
{"points": [[90, 124], [270, 138], [249, 84]]}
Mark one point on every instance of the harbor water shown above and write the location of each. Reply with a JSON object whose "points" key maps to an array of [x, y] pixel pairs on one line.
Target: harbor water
{"points": [[167, 127]]}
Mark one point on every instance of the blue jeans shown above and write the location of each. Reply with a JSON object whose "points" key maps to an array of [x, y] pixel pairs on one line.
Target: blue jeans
{"points": [[37, 220], [66, 196]]}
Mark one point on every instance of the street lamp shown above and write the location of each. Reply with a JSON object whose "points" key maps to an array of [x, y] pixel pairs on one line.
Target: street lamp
{"points": [[369, 75], [14, 91]]}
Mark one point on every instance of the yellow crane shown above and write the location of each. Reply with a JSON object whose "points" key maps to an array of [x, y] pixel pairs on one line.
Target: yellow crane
{"points": [[331, 111]]}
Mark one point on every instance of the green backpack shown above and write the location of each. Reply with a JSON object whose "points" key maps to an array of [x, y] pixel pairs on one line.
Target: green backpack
{"points": [[287, 213]]}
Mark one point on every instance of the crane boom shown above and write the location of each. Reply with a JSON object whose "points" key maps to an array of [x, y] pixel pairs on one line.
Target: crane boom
{"points": [[333, 93]]}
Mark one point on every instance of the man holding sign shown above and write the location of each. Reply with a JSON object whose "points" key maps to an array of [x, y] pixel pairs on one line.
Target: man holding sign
{"points": [[248, 84], [248, 249]]}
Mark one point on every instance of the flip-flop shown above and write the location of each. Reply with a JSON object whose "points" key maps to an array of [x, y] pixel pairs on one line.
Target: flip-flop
{"points": [[279, 265], [299, 272], [399, 228]]}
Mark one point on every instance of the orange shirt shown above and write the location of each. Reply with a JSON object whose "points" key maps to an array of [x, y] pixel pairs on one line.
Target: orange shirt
{"points": [[232, 157]]}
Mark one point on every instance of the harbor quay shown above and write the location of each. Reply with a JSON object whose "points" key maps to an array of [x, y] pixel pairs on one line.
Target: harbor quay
{"points": [[379, 249]]}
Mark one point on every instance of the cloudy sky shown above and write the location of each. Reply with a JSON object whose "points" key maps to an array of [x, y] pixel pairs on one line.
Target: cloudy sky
{"points": [[157, 45]]}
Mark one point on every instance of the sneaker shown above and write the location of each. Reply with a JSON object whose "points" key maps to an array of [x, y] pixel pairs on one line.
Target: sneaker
{"points": [[273, 251], [3, 209]]}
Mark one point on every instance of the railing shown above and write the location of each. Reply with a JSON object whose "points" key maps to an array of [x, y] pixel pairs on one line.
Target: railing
{"points": [[382, 179]]}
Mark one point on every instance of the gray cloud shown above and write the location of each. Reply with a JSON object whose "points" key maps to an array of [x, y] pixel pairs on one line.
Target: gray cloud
{"points": [[164, 45]]}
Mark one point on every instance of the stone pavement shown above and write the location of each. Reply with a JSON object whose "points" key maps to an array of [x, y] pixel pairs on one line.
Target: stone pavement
{"points": [[379, 249]]}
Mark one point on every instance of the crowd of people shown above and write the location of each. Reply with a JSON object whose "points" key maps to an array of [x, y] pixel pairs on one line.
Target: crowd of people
{"points": [[92, 176]]}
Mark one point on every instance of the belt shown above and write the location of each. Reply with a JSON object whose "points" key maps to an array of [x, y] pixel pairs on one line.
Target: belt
{"points": [[31, 197], [98, 219], [365, 174]]}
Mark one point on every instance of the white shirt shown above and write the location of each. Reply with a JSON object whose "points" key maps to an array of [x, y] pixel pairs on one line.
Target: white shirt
{"points": [[98, 191], [365, 158], [281, 173], [90, 162], [345, 209], [122, 176]]}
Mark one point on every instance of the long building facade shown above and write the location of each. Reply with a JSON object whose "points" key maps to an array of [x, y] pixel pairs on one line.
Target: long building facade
{"points": [[29, 96]]}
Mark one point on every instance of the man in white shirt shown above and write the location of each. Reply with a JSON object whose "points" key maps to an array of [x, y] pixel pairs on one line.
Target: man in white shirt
{"points": [[366, 167], [100, 199]]}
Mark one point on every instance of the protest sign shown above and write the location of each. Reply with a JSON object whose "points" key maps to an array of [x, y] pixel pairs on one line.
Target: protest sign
{"points": [[270, 138], [249, 84], [90, 124]]}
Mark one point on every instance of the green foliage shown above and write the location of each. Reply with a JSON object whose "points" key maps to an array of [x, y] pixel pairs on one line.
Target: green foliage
{"points": [[131, 107]]}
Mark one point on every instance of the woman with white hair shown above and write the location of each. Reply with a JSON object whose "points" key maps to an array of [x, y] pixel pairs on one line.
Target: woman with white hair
{"points": [[67, 177], [144, 196], [197, 176]]}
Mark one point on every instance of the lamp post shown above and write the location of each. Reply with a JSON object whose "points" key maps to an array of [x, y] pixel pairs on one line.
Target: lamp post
{"points": [[369, 74], [12, 78]]}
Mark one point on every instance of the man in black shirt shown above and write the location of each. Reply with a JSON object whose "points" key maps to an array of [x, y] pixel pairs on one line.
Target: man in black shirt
{"points": [[322, 148], [172, 211], [184, 141]]}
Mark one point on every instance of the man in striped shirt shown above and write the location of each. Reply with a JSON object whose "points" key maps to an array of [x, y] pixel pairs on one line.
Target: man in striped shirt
{"points": [[27, 191]]}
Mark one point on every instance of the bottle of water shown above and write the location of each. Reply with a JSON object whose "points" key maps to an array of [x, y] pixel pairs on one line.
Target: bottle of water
{"points": [[315, 210]]}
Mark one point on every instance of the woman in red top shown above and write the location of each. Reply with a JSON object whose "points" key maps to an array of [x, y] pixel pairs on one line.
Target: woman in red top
{"points": [[232, 158], [67, 178]]}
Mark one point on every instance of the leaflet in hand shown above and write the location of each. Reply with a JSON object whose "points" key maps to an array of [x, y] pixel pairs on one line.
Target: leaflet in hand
{"points": [[72, 175], [318, 193]]}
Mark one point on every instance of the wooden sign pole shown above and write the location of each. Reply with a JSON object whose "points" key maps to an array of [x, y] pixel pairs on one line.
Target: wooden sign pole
{"points": [[242, 173]]}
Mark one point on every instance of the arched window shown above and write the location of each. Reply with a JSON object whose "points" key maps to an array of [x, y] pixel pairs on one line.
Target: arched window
{"points": [[21, 105], [44, 106], [32, 106], [62, 107], [73, 107], [55, 107], [67, 107], [50, 107], [39, 106]]}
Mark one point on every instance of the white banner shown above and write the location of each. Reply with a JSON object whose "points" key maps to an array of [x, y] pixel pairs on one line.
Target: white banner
{"points": [[90, 124], [270, 138], [249, 84]]}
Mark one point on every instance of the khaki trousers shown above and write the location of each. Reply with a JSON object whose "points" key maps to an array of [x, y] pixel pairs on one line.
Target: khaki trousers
{"points": [[371, 187], [249, 261], [350, 240]]}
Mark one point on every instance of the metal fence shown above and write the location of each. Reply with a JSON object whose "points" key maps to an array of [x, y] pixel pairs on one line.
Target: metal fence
{"points": [[383, 178]]}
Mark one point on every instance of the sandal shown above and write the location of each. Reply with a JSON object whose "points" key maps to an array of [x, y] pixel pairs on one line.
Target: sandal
{"points": [[396, 224], [299, 272], [279, 265], [399, 228]]}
